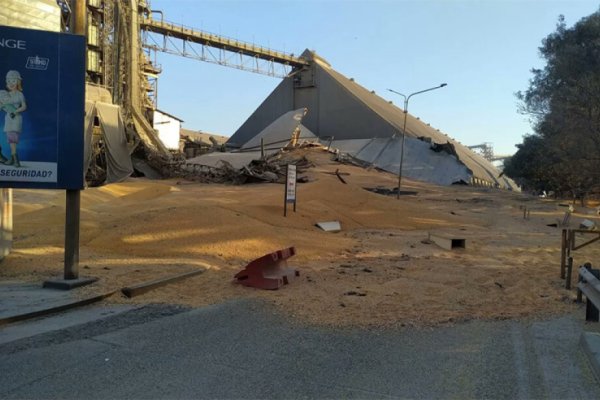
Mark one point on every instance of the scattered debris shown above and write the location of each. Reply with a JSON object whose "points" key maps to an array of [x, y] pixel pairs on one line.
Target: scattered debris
{"points": [[330, 226], [587, 224], [269, 271], [337, 173], [475, 200], [268, 169], [565, 221], [193, 147], [390, 192], [354, 293]]}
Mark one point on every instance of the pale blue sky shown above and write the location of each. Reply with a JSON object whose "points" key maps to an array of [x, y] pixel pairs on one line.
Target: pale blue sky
{"points": [[483, 49]]}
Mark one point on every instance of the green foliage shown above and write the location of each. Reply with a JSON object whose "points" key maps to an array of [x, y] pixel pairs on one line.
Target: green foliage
{"points": [[563, 102]]}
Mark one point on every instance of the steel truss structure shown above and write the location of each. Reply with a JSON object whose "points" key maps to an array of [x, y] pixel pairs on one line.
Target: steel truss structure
{"points": [[188, 42], [209, 53]]}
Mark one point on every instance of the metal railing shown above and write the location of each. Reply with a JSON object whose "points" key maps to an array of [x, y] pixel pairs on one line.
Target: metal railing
{"points": [[227, 51], [569, 245], [589, 284]]}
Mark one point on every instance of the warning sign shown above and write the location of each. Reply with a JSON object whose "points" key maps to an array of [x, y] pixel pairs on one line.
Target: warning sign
{"points": [[290, 188]]}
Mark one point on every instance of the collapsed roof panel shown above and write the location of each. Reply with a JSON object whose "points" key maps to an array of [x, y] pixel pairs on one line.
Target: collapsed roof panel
{"points": [[420, 161], [118, 157], [279, 132], [285, 129], [339, 109]]}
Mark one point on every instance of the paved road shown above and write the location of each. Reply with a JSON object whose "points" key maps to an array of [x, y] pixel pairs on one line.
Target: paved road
{"points": [[245, 350]]}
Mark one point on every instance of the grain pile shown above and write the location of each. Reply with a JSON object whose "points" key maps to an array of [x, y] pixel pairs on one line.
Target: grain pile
{"points": [[378, 271]]}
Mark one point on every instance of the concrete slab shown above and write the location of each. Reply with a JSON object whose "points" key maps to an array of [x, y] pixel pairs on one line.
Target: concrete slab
{"points": [[59, 321], [447, 242], [590, 343], [136, 290], [68, 284], [330, 226], [20, 300]]}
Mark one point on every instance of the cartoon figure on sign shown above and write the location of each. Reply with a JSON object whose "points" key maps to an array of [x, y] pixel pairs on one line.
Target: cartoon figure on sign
{"points": [[12, 102]]}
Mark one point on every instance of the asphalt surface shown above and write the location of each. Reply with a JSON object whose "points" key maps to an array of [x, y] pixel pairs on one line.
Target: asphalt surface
{"points": [[246, 350]]}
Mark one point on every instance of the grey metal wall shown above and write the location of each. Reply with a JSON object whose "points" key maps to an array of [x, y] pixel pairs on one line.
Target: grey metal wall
{"points": [[341, 113], [332, 109]]}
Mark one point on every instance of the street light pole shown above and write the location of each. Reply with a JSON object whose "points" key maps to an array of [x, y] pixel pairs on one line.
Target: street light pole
{"points": [[406, 99]]}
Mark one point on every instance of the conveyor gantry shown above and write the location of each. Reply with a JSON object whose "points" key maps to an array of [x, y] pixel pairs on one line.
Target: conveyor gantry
{"points": [[231, 52]]}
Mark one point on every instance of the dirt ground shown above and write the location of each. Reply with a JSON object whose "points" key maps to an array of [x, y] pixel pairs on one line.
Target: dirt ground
{"points": [[380, 270]]}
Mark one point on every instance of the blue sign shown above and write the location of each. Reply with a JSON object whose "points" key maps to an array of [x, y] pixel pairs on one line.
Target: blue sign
{"points": [[42, 106]]}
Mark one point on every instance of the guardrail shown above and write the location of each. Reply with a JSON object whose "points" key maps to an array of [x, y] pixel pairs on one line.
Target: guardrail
{"points": [[589, 284], [568, 245]]}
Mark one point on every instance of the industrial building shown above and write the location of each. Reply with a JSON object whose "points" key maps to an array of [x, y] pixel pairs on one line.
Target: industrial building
{"points": [[124, 128]]}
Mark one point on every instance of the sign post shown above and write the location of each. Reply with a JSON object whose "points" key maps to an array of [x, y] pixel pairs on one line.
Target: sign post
{"points": [[72, 222], [290, 188], [42, 121]]}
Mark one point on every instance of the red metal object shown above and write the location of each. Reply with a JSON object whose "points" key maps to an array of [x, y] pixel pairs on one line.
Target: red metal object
{"points": [[269, 271]]}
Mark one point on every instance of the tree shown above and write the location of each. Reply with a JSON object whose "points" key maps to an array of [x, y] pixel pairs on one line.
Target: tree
{"points": [[563, 102]]}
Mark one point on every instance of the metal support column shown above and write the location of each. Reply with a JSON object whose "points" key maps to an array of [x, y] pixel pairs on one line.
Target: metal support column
{"points": [[73, 202]]}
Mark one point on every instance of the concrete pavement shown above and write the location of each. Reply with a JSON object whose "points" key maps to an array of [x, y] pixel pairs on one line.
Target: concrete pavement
{"points": [[21, 300], [247, 349]]}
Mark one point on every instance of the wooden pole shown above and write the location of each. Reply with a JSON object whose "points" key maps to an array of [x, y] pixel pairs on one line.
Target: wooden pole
{"points": [[73, 197], [563, 253], [72, 234], [569, 273], [571, 241]]}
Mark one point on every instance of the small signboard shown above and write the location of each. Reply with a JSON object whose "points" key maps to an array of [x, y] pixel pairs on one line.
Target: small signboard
{"points": [[42, 106], [290, 188]]}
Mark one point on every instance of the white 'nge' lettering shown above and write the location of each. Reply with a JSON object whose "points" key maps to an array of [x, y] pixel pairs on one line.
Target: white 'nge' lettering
{"points": [[13, 43]]}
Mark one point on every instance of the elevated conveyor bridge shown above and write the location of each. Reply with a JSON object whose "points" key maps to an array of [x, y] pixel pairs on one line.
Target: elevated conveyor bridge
{"points": [[168, 37]]}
